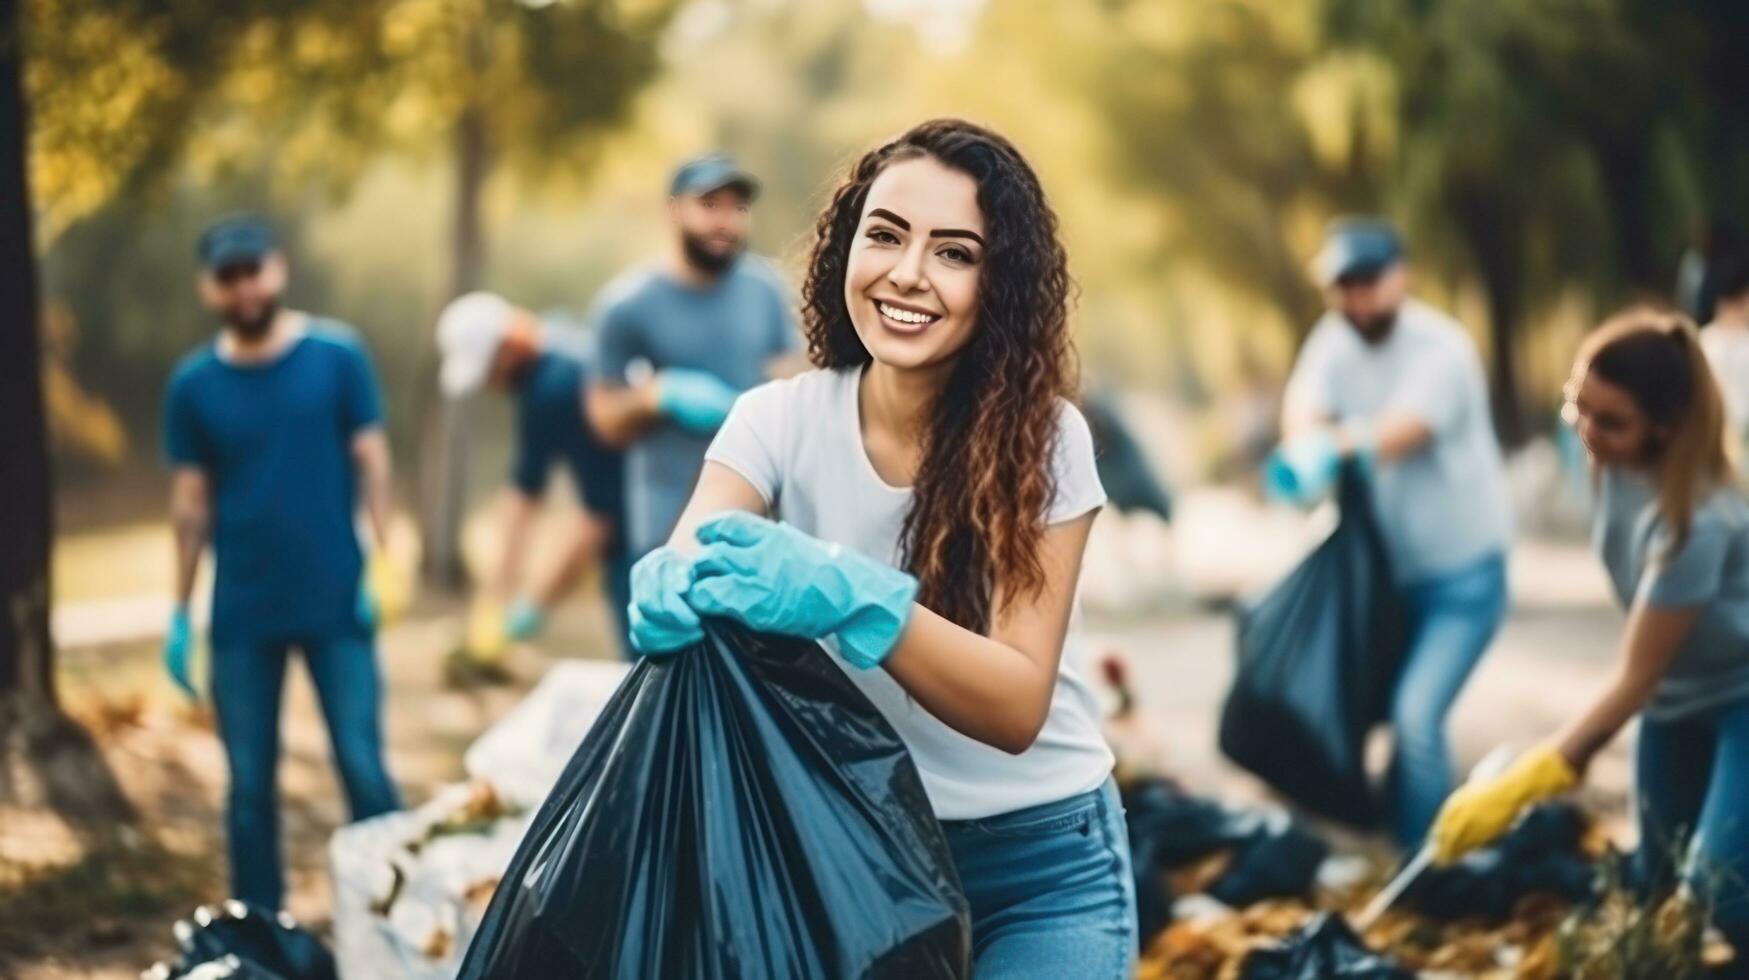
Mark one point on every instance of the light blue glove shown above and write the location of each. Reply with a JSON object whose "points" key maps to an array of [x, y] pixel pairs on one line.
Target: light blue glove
{"points": [[524, 621], [661, 621], [1301, 471], [178, 644], [696, 400], [777, 579]]}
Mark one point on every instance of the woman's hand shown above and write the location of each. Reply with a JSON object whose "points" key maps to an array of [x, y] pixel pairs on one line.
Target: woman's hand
{"points": [[1478, 813], [660, 619], [777, 579]]}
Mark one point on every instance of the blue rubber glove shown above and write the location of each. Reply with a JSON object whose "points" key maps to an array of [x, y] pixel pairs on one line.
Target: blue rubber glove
{"points": [[1301, 471], [777, 579], [696, 400], [524, 621], [178, 645], [660, 619]]}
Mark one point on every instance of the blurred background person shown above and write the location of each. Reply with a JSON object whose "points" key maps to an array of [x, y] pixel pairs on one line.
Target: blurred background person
{"points": [[1389, 379], [274, 437], [1673, 534], [488, 342], [1726, 337], [678, 340]]}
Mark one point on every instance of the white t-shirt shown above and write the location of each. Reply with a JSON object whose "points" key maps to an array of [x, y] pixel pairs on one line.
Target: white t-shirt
{"points": [[1727, 350], [1447, 506], [799, 443]]}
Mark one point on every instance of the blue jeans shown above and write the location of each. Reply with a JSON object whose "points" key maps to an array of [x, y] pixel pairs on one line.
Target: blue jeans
{"points": [[1691, 782], [1050, 889], [1453, 619], [246, 682]]}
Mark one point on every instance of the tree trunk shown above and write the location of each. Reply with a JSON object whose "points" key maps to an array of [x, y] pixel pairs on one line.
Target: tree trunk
{"points": [[45, 758], [447, 443], [1488, 231]]}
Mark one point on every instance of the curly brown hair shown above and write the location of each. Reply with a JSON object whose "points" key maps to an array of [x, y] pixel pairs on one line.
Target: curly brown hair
{"points": [[985, 480]]}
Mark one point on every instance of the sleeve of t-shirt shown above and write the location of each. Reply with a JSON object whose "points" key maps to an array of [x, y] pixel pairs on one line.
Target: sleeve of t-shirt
{"points": [[1693, 574], [1434, 390], [535, 446], [184, 442], [752, 436], [1078, 488], [616, 343], [1309, 387], [361, 400]]}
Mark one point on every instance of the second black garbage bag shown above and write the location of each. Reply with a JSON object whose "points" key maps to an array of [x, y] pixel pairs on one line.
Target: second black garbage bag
{"points": [[1319, 655], [739, 809]]}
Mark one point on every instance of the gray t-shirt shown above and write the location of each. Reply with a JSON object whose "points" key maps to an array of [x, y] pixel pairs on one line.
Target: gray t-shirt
{"points": [[731, 329], [1710, 570], [1445, 507]]}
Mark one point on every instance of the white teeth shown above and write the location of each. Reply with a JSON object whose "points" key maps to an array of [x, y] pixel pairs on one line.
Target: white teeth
{"points": [[904, 316]]}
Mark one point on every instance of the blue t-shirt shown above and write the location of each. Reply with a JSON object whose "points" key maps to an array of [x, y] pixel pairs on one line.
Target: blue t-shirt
{"points": [[550, 428], [1709, 572], [732, 329], [275, 441]]}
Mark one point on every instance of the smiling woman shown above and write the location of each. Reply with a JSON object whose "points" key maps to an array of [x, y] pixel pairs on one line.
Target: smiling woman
{"points": [[935, 487]]}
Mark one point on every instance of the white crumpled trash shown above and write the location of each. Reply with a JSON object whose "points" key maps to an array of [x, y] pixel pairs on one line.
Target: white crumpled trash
{"points": [[523, 754]]}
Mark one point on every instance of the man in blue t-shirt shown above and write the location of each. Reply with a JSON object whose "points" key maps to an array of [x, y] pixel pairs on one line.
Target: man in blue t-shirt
{"points": [[679, 340], [487, 341], [274, 433]]}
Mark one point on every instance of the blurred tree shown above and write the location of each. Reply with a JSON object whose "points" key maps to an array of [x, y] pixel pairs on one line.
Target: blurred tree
{"points": [[1249, 132], [1548, 145], [46, 759], [326, 86]]}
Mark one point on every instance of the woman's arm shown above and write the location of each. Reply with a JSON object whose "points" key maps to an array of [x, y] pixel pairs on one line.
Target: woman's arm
{"points": [[719, 488], [997, 688], [1654, 636]]}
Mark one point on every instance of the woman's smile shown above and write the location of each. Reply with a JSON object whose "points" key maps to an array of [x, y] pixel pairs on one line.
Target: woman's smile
{"points": [[904, 319]]}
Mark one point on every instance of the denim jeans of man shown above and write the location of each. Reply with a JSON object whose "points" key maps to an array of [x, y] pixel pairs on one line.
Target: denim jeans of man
{"points": [[1691, 786], [1050, 888], [247, 681], [1453, 619]]}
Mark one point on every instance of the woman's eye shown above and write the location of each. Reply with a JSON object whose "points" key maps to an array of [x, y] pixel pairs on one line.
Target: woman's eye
{"points": [[956, 254], [883, 236]]}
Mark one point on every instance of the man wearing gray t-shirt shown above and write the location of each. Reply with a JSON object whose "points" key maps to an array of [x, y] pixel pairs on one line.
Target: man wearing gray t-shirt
{"points": [[678, 341], [1399, 384]]}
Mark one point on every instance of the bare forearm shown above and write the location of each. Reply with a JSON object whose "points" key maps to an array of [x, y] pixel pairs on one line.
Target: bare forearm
{"points": [[376, 482], [977, 686], [190, 520], [582, 550], [620, 414], [519, 514], [191, 538], [1653, 638], [1581, 740]]}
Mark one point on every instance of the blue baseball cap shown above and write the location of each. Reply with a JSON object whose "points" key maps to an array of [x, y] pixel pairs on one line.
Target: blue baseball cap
{"points": [[235, 239], [711, 172], [1357, 248]]}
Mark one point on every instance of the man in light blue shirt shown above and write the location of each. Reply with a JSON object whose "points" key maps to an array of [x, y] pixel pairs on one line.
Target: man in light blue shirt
{"points": [[679, 340], [1400, 384]]}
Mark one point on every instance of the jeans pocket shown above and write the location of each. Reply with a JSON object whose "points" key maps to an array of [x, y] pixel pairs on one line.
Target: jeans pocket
{"points": [[1075, 813]]}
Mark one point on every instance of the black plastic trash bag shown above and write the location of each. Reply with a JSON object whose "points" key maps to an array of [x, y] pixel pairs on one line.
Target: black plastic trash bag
{"points": [[1319, 654], [1124, 470], [1272, 855], [1323, 949], [1541, 855], [236, 939], [738, 810]]}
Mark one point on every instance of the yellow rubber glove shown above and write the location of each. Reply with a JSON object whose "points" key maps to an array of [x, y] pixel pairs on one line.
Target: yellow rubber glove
{"points": [[486, 639], [388, 588], [1478, 813]]}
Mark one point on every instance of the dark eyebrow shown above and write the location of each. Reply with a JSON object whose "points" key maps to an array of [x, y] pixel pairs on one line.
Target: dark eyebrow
{"points": [[890, 216], [957, 233]]}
